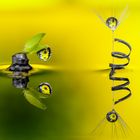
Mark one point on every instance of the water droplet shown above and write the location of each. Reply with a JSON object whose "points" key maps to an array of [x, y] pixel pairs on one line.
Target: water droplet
{"points": [[112, 23], [112, 116], [44, 54], [45, 88]]}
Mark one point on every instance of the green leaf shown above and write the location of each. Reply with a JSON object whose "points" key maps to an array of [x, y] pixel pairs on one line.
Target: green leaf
{"points": [[33, 43], [34, 100], [39, 47]]}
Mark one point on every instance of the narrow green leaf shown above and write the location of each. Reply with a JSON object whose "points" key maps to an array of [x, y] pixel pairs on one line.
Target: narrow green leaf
{"points": [[39, 47], [34, 100], [33, 43]]}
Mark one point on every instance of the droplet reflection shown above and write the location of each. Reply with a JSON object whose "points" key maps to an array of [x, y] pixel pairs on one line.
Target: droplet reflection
{"points": [[112, 116], [45, 88], [112, 23]]}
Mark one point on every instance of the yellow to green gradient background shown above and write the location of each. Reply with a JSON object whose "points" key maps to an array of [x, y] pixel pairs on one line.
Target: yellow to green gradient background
{"points": [[81, 46]]}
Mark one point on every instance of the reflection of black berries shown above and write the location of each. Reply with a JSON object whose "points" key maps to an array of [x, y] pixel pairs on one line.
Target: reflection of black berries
{"points": [[20, 82], [112, 116], [20, 63]]}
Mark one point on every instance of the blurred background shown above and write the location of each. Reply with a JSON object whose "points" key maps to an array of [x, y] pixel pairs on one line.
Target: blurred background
{"points": [[81, 52]]}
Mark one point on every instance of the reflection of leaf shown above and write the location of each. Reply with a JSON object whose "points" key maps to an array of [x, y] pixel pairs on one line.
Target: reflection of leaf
{"points": [[34, 100], [37, 94], [33, 43]]}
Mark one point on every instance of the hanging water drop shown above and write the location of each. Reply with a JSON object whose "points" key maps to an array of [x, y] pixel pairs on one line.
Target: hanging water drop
{"points": [[112, 23], [44, 54]]}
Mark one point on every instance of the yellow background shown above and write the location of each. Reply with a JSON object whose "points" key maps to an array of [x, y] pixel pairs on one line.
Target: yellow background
{"points": [[81, 44]]}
